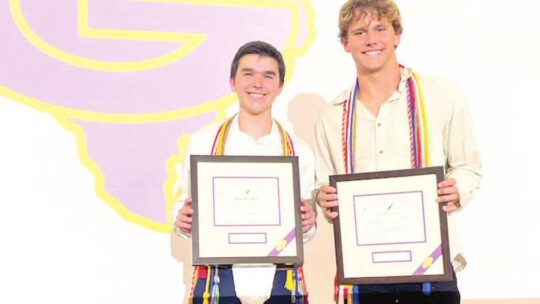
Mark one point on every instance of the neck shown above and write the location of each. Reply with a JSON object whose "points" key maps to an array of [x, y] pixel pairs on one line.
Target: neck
{"points": [[255, 126], [376, 88]]}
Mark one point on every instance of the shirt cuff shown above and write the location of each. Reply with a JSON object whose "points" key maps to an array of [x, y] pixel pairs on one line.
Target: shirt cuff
{"points": [[310, 234], [181, 234]]}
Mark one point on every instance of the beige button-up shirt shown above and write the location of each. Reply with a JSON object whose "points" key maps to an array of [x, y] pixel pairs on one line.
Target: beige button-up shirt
{"points": [[383, 142]]}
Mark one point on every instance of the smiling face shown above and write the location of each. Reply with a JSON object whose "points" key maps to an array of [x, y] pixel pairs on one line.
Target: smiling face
{"points": [[371, 41], [257, 84]]}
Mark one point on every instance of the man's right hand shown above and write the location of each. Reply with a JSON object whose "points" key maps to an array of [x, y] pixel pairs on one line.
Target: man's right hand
{"points": [[327, 198], [184, 217]]}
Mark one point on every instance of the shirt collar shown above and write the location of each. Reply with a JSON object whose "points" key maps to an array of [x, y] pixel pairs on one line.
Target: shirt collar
{"points": [[235, 132], [406, 73]]}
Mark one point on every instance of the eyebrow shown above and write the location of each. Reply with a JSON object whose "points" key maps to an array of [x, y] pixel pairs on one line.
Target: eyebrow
{"points": [[270, 73], [358, 29], [377, 24], [246, 70]]}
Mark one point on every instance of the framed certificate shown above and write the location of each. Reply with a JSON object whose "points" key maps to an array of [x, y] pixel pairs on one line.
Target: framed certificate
{"points": [[246, 210], [390, 229]]}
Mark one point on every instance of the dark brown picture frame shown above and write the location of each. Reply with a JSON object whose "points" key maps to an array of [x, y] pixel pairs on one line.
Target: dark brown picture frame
{"points": [[267, 237], [394, 259]]}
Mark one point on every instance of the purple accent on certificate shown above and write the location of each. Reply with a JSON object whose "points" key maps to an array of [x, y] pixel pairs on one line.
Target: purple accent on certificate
{"points": [[283, 243], [390, 218], [430, 260], [242, 201], [391, 256], [248, 238]]}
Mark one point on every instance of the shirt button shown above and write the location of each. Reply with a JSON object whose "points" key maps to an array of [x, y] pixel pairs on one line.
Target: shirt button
{"points": [[381, 151], [379, 124]]}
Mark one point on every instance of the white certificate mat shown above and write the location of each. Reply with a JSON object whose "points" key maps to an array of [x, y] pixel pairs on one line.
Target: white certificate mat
{"points": [[246, 210], [390, 229]]}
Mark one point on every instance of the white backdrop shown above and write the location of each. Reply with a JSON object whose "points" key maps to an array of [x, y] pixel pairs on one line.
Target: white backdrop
{"points": [[57, 237]]}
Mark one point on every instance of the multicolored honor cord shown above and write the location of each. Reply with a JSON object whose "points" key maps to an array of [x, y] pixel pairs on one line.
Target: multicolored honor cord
{"points": [[295, 282], [348, 127], [418, 139]]}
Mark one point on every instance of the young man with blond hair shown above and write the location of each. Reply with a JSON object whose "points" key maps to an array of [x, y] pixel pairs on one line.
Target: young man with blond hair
{"points": [[377, 114]]}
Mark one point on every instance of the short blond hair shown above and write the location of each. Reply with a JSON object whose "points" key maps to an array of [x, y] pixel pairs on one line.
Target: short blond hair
{"points": [[353, 9]]}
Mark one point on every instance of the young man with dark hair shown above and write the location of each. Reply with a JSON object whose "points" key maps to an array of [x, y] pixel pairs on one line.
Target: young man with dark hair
{"points": [[257, 77]]}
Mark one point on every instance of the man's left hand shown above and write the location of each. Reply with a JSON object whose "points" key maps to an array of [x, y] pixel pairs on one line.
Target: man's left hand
{"points": [[448, 195]]}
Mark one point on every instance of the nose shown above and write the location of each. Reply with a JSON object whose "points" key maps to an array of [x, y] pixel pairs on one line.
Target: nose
{"points": [[370, 38], [258, 81]]}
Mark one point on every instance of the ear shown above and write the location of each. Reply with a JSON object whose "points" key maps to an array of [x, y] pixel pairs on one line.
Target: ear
{"points": [[345, 44], [398, 39], [231, 83], [280, 89]]}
